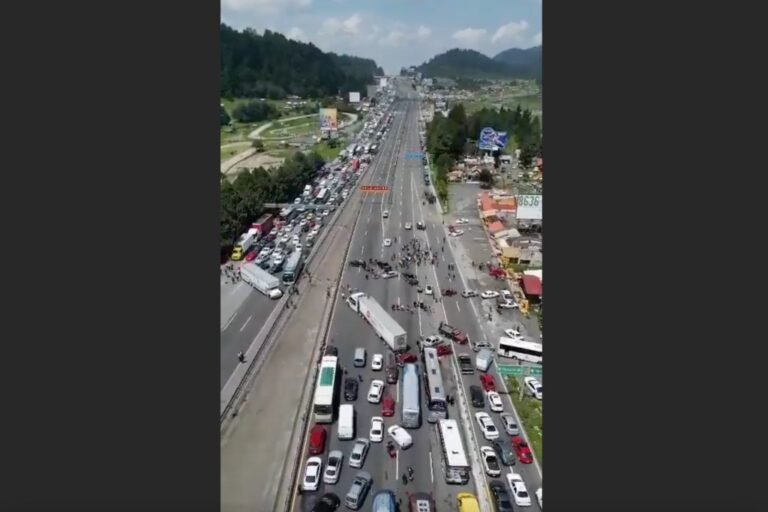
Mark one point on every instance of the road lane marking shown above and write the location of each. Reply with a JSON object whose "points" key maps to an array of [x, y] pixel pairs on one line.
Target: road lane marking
{"points": [[457, 306], [229, 321], [431, 468], [246, 323]]}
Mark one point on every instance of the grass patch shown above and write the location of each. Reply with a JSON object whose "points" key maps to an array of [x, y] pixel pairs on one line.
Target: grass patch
{"points": [[237, 132], [229, 152], [530, 415], [327, 152]]}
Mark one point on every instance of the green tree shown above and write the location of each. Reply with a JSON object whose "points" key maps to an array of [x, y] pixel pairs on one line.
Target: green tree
{"points": [[254, 111], [258, 145], [223, 116]]}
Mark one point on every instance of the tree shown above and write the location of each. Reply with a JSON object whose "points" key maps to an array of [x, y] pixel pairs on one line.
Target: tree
{"points": [[258, 145], [223, 116], [486, 177], [254, 111]]}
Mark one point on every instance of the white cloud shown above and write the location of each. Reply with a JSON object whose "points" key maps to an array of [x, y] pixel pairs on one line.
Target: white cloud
{"points": [[402, 34], [512, 31], [469, 35], [334, 26], [296, 34], [264, 6], [537, 39]]}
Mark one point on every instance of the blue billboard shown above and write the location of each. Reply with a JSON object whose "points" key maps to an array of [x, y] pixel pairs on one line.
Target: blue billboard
{"points": [[491, 140]]}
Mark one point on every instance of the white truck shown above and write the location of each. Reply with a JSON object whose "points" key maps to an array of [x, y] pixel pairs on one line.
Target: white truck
{"points": [[483, 360], [262, 280], [383, 324]]}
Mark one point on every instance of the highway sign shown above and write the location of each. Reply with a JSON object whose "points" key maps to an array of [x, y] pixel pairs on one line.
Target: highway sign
{"points": [[374, 188], [506, 370], [535, 371]]}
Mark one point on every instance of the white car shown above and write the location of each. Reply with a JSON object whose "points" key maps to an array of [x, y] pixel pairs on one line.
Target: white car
{"points": [[377, 362], [385, 214], [390, 274], [428, 290], [489, 294], [408, 225], [513, 333], [400, 436], [507, 295], [325, 213], [387, 242], [312, 474], [375, 391], [297, 200], [285, 238], [377, 429], [333, 469], [462, 221], [315, 231], [534, 386], [518, 490], [486, 426], [539, 499], [508, 304], [358, 453], [490, 461], [432, 341], [494, 401], [456, 232]]}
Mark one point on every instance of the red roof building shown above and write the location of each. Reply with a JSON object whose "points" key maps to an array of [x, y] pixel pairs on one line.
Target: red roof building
{"points": [[495, 227], [532, 286]]}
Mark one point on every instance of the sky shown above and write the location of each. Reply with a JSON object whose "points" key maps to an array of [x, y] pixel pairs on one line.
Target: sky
{"points": [[395, 33]]}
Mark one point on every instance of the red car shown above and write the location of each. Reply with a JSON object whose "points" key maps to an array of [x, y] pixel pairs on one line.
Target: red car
{"points": [[387, 406], [522, 450], [406, 357], [488, 383], [317, 440], [443, 350]]}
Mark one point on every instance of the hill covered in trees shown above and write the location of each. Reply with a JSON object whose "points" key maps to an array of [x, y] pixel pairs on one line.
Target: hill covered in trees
{"points": [[512, 63], [527, 62], [273, 66]]}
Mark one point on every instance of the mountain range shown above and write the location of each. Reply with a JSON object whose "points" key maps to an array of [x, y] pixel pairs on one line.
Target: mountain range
{"points": [[511, 63]]}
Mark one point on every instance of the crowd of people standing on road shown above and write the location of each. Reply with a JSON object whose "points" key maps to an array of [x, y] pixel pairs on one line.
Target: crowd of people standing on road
{"points": [[230, 274]]}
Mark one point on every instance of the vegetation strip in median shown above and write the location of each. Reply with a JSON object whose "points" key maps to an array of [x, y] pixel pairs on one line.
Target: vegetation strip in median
{"points": [[530, 416]]}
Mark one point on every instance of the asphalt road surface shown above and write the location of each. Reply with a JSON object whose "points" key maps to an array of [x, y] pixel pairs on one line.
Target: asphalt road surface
{"points": [[349, 331]]}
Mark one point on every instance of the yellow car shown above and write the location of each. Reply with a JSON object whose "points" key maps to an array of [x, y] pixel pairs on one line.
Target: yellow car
{"points": [[467, 502]]}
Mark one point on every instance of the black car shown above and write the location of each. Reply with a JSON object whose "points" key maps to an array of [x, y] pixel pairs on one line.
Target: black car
{"points": [[350, 389], [504, 451], [330, 350], [421, 225], [382, 264], [409, 275], [328, 503], [357, 263], [477, 396], [501, 499], [413, 282]]}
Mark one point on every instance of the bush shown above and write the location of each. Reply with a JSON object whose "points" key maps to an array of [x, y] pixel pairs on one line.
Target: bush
{"points": [[254, 111]]}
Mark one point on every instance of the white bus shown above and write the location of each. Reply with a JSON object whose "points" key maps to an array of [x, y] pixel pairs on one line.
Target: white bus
{"points": [[321, 195], [433, 385], [455, 462], [518, 348], [327, 389]]}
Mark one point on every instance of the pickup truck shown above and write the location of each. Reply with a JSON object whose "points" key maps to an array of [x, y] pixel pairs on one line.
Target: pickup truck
{"points": [[455, 334], [465, 364]]}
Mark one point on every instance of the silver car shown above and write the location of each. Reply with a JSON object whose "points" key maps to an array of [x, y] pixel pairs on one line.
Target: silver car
{"points": [[333, 469], [509, 424], [358, 490], [359, 451]]}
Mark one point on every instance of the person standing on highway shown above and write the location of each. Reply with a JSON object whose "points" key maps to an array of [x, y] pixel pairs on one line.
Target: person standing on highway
{"points": [[241, 356]]}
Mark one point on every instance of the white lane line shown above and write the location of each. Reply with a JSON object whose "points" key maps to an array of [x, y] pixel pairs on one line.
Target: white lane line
{"points": [[457, 306], [235, 288], [229, 322], [397, 464], [362, 248], [246, 323], [431, 468]]}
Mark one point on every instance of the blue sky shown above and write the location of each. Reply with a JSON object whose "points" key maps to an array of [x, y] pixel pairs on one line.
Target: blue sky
{"points": [[395, 33]]}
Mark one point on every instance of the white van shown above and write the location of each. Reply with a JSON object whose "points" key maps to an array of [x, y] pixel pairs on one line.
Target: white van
{"points": [[346, 422], [483, 360], [360, 358], [401, 437]]}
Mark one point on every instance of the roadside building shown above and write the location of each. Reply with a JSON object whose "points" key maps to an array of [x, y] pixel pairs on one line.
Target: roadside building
{"points": [[532, 288]]}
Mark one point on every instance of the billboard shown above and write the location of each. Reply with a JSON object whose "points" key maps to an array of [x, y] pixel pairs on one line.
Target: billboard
{"points": [[491, 140], [372, 90], [382, 82], [328, 120], [529, 207], [354, 97]]}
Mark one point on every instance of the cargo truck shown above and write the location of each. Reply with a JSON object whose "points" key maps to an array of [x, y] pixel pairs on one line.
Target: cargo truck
{"points": [[264, 224], [262, 280], [382, 323], [241, 246]]}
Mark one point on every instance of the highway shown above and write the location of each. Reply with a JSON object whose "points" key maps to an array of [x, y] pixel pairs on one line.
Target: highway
{"points": [[348, 331]]}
